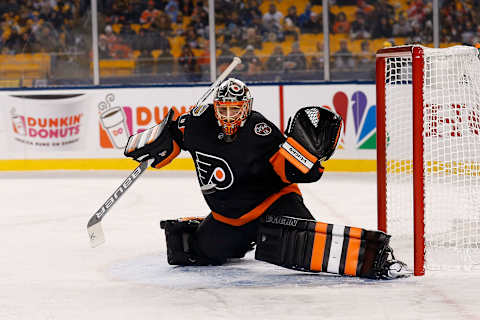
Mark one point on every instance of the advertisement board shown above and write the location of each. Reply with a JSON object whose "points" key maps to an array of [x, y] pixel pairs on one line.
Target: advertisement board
{"points": [[89, 128]]}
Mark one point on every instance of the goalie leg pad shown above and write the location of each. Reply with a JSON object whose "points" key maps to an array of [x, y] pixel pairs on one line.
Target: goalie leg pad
{"points": [[178, 234], [308, 245]]}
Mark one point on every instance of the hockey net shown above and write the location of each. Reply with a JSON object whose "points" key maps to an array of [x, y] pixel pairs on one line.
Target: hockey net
{"points": [[428, 155]]}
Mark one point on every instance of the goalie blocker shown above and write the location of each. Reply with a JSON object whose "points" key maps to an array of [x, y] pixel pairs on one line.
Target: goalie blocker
{"points": [[308, 245]]}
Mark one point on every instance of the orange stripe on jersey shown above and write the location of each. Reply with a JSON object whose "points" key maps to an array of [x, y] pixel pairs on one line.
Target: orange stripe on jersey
{"points": [[258, 210], [351, 260], [318, 246], [167, 160], [278, 164]]}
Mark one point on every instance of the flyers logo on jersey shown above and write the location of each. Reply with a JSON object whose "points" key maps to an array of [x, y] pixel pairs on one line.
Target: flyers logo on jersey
{"points": [[213, 170]]}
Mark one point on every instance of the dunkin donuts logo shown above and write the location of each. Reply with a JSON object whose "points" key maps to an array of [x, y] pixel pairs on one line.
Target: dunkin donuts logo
{"points": [[117, 123], [45, 131]]}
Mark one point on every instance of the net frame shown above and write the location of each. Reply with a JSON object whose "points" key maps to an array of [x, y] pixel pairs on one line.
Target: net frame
{"points": [[417, 75]]}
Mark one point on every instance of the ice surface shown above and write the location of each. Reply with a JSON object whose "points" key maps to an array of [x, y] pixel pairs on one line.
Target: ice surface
{"points": [[48, 270]]}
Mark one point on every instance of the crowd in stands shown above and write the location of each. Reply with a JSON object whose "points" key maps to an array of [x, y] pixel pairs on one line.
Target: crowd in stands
{"points": [[171, 36]]}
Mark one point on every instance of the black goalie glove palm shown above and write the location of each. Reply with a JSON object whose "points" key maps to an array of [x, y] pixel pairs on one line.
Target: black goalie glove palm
{"points": [[317, 129], [155, 143]]}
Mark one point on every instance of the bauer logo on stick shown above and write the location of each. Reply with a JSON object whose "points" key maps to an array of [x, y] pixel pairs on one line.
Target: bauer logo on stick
{"points": [[213, 170]]}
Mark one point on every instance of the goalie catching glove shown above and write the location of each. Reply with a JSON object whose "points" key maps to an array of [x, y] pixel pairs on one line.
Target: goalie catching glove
{"points": [[312, 136], [155, 143]]}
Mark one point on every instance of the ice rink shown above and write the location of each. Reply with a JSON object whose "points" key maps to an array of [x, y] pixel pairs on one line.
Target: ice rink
{"points": [[49, 271]]}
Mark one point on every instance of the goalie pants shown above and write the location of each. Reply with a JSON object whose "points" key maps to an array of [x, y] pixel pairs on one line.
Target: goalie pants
{"points": [[220, 241]]}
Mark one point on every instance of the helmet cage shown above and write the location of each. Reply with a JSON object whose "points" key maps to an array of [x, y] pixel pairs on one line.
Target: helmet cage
{"points": [[232, 105]]}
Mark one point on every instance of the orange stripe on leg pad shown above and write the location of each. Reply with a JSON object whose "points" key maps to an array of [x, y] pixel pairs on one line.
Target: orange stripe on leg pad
{"points": [[353, 250], [318, 249]]}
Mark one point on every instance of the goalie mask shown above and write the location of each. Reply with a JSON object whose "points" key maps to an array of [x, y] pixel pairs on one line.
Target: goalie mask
{"points": [[232, 104]]}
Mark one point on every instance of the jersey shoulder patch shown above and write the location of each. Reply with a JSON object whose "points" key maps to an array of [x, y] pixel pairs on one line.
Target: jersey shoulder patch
{"points": [[261, 126], [262, 129]]}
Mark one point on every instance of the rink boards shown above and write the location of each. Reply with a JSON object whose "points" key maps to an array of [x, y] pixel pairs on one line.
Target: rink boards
{"points": [[87, 129]]}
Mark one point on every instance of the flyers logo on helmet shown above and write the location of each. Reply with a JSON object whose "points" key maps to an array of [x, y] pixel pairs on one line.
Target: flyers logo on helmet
{"points": [[213, 170]]}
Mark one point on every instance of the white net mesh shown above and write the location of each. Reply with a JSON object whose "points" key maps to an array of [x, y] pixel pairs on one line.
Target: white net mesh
{"points": [[313, 115], [451, 131]]}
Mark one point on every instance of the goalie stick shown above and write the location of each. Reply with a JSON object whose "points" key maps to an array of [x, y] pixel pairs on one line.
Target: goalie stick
{"points": [[94, 226]]}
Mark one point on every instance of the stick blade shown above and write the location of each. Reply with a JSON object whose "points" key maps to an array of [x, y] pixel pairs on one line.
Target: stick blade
{"points": [[95, 233]]}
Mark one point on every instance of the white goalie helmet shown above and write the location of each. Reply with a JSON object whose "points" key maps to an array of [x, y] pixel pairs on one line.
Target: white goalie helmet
{"points": [[232, 104]]}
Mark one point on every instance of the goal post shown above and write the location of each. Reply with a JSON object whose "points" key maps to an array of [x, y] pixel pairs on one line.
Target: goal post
{"points": [[428, 154]]}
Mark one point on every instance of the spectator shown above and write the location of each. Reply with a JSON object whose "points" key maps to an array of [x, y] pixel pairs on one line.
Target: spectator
{"points": [[402, 28], [292, 16], [295, 60], [250, 11], [165, 62], [318, 58], [252, 38], [186, 7], [382, 29], [314, 25], [365, 56], [359, 28], [344, 57], [341, 24], [276, 60], [109, 40], [257, 24], [160, 41], [305, 16], [200, 28], [290, 23], [468, 33], [187, 60], [225, 58], [251, 64], [364, 8], [273, 31], [191, 38], [163, 23], [203, 60], [47, 41], [171, 9], [143, 42], [150, 14], [273, 18]]}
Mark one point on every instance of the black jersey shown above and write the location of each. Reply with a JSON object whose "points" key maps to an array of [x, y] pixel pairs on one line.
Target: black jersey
{"points": [[241, 173]]}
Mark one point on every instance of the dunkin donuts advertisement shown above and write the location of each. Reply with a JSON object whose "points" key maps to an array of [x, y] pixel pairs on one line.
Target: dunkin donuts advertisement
{"points": [[45, 122], [96, 123]]}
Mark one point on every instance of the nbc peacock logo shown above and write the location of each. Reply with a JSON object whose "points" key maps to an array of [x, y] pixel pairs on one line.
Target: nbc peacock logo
{"points": [[364, 118]]}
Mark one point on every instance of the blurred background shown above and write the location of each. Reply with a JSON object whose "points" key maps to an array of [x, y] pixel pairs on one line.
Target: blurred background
{"points": [[48, 43]]}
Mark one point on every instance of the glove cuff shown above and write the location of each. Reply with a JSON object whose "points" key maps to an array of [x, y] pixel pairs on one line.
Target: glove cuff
{"points": [[297, 155]]}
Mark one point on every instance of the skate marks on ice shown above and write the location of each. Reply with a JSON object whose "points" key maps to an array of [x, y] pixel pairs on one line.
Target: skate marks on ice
{"points": [[247, 272]]}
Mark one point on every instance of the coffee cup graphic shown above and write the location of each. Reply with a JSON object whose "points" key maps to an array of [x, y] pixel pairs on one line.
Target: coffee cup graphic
{"points": [[113, 121], [19, 125]]}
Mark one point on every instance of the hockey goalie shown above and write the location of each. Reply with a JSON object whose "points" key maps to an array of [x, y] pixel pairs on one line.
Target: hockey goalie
{"points": [[248, 172]]}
